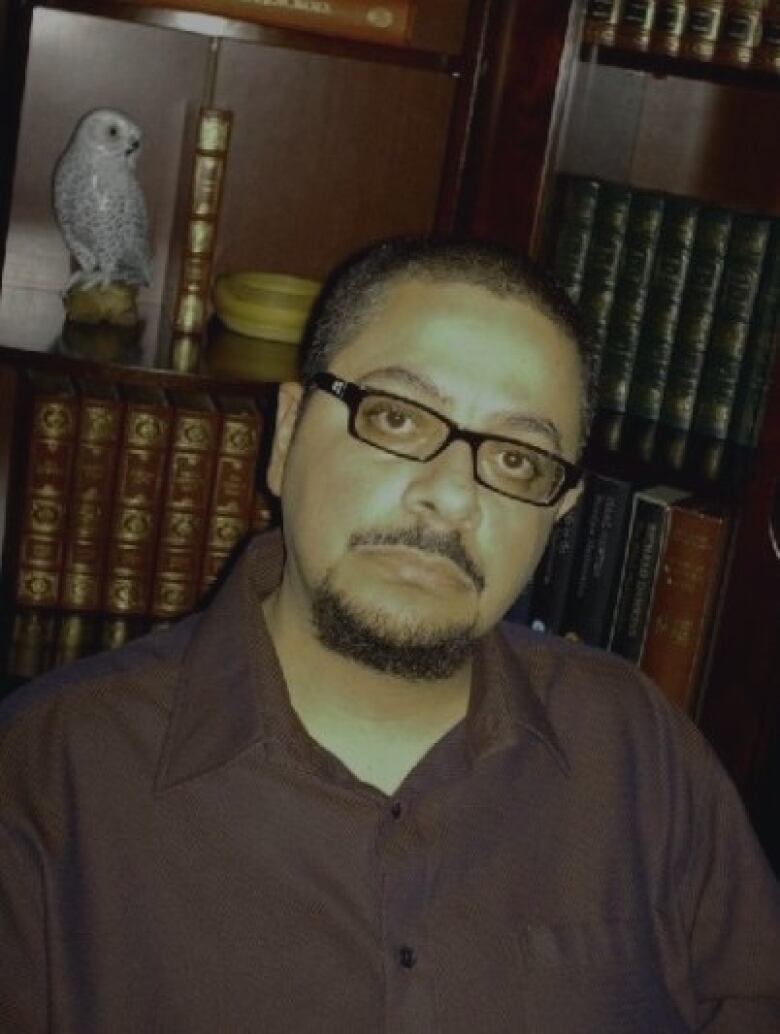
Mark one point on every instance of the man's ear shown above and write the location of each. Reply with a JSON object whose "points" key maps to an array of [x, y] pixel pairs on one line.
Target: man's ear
{"points": [[569, 499], [288, 404]]}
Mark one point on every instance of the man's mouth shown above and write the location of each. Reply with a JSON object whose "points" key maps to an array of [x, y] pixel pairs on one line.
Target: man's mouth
{"points": [[420, 567]]}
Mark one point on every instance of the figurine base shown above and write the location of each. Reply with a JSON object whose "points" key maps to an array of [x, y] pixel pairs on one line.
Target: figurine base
{"points": [[114, 304]]}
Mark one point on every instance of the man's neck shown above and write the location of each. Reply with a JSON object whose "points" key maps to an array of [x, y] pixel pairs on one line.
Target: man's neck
{"points": [[378, 725]]}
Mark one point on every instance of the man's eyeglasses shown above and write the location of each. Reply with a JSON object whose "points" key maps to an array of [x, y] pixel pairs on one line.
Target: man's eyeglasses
{"points": [[408, 429]]}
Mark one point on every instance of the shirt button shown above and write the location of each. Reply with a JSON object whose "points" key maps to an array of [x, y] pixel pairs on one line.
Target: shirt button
{"points": [[408, 957], [396, 809]]}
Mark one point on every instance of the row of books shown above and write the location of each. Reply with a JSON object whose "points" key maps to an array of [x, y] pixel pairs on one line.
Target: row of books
{"points": [[638, 572], [681, 302], [741, 33], [134, 496]]}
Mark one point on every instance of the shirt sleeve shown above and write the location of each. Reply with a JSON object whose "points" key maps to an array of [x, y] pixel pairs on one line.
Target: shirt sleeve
{"points": [[734, 903], [23, 994]]}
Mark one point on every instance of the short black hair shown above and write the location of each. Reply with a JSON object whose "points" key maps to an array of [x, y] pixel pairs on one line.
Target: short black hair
{"points": [[356, 288]]}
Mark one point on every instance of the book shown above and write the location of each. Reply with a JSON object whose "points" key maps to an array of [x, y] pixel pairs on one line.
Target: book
{"points": [[697, 312], [191, 307], [670, 19], [662, 308], [135, 514], [188, 479], [52, 449], [233, 494], [767, 54], [601, 19], [760, 350], [389, 22], [647, 531], [32, 643], [74, 638], [593, 588], [736, 299], [702, 29], [547, 603], [94, 470], [574, 233], [633, 281], [684, 599], [635, 24], [602, 263], [740, 32]]}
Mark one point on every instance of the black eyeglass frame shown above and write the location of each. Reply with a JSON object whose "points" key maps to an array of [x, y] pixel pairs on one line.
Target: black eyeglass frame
{"points": [[352, 395]]}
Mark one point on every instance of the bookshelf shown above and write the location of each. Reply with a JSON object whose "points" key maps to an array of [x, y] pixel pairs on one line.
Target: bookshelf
{"points": [[557, 106]]}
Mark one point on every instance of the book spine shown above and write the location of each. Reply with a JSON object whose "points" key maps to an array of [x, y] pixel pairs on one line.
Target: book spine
{"points": [[758, 361], [636, 24], [601, 21], [75, 638], [738, 290], [740, 32], [32, 644], [188, 480], [208, 176], [646, 537], [602, 263], [389, 22], [136, 510], [669, 25], [52, 449], [767, 53], [696, 317], [590, 603], [702, 29], [662, 310], [233, 492], [574, 234], [551, 582], [100, 418], [625, 324], [684, 601]]}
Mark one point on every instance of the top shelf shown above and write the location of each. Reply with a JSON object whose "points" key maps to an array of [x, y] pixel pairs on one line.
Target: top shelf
{"points": [[419, 54], [663, 65]]}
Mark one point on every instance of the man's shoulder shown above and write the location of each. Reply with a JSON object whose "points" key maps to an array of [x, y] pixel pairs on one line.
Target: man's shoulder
{"points": [[96, 693]]}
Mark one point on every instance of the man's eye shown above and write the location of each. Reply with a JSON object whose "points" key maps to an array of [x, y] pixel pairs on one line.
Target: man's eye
{"points": [[518, 464], [390, 418]]}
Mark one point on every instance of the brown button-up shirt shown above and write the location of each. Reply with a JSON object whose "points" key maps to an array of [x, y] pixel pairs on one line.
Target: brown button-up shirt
{"points": [[177, 855]]}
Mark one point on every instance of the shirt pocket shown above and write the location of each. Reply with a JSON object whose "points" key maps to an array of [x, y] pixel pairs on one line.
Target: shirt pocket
{"points": [[600, 977]]}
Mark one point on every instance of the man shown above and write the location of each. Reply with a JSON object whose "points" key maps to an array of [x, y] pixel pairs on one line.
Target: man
{"points": [[343, 799]]}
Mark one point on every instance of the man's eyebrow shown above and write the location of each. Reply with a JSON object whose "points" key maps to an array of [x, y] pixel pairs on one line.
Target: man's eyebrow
{"points": [[520, 423]]}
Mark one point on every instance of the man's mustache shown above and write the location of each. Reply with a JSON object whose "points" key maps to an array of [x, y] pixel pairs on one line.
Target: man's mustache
{"points": [[447, 545]]}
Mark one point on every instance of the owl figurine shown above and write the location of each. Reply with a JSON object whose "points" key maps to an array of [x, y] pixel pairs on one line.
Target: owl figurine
{"points": [[99, 204]]}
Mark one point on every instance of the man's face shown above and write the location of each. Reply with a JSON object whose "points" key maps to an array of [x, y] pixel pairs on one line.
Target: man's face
{"points": [[403, 555]]}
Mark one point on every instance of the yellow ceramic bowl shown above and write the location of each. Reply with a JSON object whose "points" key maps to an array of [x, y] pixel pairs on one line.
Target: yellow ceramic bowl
{"points": [[272, 306]]}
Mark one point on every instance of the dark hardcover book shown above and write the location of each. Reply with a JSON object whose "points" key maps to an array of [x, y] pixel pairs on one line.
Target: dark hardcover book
{"points": [[635, 24], [188, 481], [736, 300], [574, 232], [50, 459], [740, 32], [234, 491], [662, 309], [684, 599], [593, 587], [91, 492], [702, 29], [669, 25], [601, 19], [547, 605], [603, 261], [647, 530], [135, 517], [758, 361], [633, 281], [767, 53], [32, 644], [697, 313]]}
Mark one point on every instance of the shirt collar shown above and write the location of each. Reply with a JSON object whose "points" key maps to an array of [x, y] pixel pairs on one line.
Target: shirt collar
{"points": [[231, 695]]}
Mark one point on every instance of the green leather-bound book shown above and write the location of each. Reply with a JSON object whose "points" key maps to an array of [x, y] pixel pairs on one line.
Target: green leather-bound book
{"points": [[736, 300], [574, 233], [662, 310], [696, 316]]}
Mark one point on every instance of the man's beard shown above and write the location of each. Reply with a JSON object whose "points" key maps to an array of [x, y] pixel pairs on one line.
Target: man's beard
{"points": [[374, 639]]}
